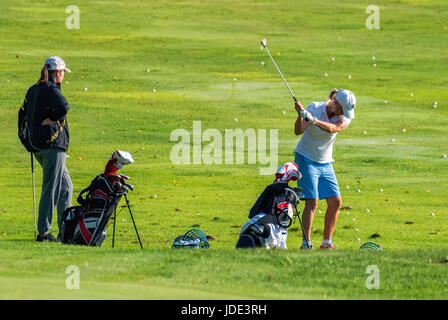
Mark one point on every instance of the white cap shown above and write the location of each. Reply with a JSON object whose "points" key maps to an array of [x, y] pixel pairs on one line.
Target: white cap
{"points": [[347, 100], [56, 63]]}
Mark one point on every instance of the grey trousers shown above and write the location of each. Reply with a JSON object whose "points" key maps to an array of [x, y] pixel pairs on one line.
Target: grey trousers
{"points": [[57, 187]]}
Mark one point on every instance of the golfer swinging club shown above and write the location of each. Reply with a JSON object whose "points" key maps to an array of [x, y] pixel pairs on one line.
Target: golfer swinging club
{"points": [[319, 125]]}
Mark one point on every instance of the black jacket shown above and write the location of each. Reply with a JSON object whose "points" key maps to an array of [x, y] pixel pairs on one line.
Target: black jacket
{"points": [[51, 104], [273, 195]]}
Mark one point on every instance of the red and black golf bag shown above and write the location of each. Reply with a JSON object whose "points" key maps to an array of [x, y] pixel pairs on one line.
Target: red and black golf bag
{"points": [[86, 224]]}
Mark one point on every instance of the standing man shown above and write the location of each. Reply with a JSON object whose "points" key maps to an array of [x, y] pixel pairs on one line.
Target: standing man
{"points": [[50, 135], [319, 125]]}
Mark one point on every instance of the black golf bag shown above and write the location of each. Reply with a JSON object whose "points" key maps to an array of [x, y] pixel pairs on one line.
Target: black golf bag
{"points": [[271, 216], [86, 224]]}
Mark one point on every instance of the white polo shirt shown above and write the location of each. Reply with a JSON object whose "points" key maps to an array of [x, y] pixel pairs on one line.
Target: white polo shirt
{"points": [[317, 144]]}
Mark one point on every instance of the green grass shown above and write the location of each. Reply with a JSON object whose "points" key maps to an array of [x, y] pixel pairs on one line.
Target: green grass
{"points": [[194, 50], [107, 273]]}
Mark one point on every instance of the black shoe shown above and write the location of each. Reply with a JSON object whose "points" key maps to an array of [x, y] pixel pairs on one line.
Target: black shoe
{"points": [[47, 237]]}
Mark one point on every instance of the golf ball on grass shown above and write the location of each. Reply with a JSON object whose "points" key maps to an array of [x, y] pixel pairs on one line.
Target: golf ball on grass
{"points": [[374, 65], [147, 70], [349, 77], [358, 239], [444, 156], [236, 120], [325, 74], [85, 89], [431, 214], [153, 90], [385, 101]]}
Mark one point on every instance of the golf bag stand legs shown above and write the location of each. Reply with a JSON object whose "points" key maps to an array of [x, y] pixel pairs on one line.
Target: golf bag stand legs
{"points": [[115, 222], [133, 222], [303, 230]]}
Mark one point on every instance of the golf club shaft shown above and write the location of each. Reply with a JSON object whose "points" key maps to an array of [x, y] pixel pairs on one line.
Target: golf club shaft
{"points": [[34, 194], [281, 75]]}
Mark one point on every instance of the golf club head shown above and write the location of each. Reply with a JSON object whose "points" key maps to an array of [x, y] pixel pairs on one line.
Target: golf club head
{"points": [[263, 42]]}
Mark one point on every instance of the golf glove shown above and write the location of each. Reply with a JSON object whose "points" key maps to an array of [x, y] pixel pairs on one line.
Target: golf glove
{"points": [[307, 116]]}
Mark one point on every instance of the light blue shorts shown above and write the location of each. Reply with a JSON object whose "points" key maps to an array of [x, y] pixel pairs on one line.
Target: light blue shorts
{"points": [[318, 179]]}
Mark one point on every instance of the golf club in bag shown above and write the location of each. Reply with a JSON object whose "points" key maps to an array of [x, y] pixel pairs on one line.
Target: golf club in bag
{"points": [[86, 224]]}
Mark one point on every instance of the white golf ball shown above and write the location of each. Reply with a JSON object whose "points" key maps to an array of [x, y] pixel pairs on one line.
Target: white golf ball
{"points": [[333, 58], [435, 102], [434, 106], [431, 214], [234, 79], [381, 190], [353, 219], [325, 74], [444, 156], [85, 89], [358, 239], [284, 112], [411, 94], [367, 210], [385, 101], [374, 65], [347, 187], [358, 190], [347, 213], [261, 48], [356, 229], [404, 130], [349, 77], [365, 132], [262, 62], [154, 196], [393, 140], [147, 70], [373, 58], [153, 90], [236, 120]]}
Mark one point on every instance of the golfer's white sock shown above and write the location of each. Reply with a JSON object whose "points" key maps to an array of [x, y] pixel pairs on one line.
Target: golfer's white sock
{"points": [[326, 242]]}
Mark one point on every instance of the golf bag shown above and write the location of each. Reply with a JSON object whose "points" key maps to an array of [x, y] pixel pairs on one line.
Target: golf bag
{"points": [[271, 216], [86, 224]]}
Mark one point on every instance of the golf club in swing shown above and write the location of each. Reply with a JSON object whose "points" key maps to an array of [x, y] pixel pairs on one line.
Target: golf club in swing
{"points": [[263, 42]]}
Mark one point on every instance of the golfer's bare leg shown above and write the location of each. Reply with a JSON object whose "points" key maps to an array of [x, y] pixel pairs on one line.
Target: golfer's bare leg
{"points": [[308, 216], [331, 216]]}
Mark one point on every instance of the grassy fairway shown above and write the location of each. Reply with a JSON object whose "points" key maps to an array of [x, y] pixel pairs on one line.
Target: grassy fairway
{"points": [[205, 64]]}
